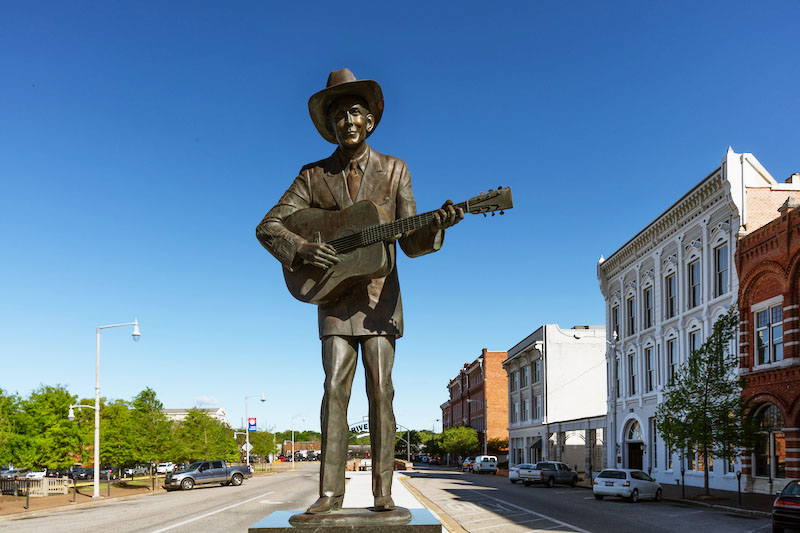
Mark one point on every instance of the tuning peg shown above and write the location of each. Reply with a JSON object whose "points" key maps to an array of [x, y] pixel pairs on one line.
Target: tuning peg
{"points": [[484, 215], [502, 212], [492, 213], [500, 187], [481, 193], [491, 191]]}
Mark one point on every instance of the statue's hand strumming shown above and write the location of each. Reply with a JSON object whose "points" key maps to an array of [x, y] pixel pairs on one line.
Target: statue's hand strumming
{"points": [[319, 254], [447, 216]]}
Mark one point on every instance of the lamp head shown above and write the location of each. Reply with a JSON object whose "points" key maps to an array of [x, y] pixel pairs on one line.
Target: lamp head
{"points": [[136, 333], [71, 414], [263, 399]]}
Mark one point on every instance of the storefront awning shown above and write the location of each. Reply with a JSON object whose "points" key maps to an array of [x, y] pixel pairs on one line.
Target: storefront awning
{"points": [[537, 443]]}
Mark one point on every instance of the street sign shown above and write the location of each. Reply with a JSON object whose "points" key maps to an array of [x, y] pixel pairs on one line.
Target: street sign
{"points": [[247, 447], [251, 424]]}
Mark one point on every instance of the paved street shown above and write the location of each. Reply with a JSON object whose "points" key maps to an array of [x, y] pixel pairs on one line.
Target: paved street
{"points": [[489, 504], [203, 509]]}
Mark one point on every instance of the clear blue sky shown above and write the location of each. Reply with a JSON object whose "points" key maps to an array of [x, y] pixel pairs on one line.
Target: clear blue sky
{"points": [[141, 143]]}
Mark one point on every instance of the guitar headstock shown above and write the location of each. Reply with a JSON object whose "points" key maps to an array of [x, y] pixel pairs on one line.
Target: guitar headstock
{"points": [[490, 202]]}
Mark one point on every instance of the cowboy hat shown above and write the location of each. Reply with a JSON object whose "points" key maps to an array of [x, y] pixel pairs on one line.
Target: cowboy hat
{"points": [[343, 83]]}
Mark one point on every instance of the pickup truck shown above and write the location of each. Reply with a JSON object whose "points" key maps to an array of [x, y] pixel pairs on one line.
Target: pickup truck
{"points": [[204, 472], [549, 473]]}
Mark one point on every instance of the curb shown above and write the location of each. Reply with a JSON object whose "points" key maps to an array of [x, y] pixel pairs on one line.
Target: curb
{"points": [[61, 508], [447, 521], [739, 510]]}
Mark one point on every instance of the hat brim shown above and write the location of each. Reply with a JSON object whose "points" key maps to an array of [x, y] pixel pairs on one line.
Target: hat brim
{"points": [[319, 103]]}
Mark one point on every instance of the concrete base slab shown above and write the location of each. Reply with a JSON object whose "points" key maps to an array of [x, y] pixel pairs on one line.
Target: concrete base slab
{"points": [[351, 520]]}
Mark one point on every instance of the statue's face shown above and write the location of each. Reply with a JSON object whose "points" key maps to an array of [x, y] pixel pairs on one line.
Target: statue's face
{"points": [[351, 120]]}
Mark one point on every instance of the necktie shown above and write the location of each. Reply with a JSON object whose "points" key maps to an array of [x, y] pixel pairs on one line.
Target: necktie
{"points": [[353, 179]]}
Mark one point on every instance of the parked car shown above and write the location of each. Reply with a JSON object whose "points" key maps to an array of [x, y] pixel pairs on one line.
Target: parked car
{"points": [[15, 473], [485, 464], [513, 472], [138, 470], [36, 474], [549, 473], [435, 461], [786, 508], [204, 472], [163, 468], [626, 483], [109, 472], [466, 465]]}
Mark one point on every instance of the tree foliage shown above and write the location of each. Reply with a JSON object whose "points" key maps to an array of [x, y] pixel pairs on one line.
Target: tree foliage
{"points": [[497, 446], [460, 441], [703, 407]]}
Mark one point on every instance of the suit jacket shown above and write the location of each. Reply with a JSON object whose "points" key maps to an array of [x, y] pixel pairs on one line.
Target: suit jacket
{"points": [[368, 308]]}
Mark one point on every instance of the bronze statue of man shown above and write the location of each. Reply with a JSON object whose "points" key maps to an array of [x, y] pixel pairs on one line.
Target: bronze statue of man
{"points": [[368, 314]]}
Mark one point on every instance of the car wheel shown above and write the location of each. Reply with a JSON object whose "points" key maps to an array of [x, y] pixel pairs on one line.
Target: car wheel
{"points": [[635, 496], [526, 483], [236, 480], [550, 482], [494, 473], [776, 529], [658, 495], [513, 481], [187, 484], [574, 481], [598, 496]]}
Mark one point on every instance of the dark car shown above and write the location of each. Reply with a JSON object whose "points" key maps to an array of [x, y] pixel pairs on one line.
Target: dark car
{"points": [[786, 508], [435, 461]]}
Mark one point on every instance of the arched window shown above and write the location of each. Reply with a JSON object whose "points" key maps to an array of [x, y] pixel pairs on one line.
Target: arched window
{"points": [[769, 457], [634, 432]]}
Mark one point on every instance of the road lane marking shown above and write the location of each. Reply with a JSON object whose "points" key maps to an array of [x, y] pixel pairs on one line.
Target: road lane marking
{"points": [[684, 514], [559, 522], [272, 503], [492, 518], [512, 524], [173, 526]]}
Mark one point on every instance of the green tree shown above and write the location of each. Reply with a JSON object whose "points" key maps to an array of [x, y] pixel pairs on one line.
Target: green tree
{"points": [[200, 437], [263, 443], [703, 407], [400, 444], [460, 441], [153, 428], [118, 435], [9, 416], [49, 438]]}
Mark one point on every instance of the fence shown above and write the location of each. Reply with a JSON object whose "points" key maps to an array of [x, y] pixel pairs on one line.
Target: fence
{"points": [[35, 487]]}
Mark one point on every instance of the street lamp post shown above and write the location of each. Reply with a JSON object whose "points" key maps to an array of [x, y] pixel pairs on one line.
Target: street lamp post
{"points": [[247, 430], [303, 419], [71, 416], [614, 392]]}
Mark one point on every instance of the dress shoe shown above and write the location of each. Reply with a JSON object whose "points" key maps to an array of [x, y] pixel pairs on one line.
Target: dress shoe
{"points": [[384, 503], [326, 504]]}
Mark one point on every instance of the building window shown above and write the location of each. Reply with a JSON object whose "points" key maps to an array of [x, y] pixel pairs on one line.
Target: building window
{"points": [[648, 308], [668, 458], [631, 374], [770, 450], [720, 270], [650, 370], [672, 359], [670, 305], [631, 304], [616, 376], [694, 341], [694, 283], [525, 404], [537, 407], [514, 381], [525, 376], [769, 335], [615, 319], [515, 413], [653, 445], [537, 371]]}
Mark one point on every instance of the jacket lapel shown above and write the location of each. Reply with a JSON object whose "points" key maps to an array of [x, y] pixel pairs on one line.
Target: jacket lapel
{"points": [[334, 179], [372, 174]]}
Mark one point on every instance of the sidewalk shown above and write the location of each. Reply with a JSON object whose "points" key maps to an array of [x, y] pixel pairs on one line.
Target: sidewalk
{"points": [[754, 504]]}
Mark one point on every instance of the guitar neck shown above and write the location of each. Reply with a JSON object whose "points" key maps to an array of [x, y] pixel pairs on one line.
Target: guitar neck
{"points": [[381, 232]]}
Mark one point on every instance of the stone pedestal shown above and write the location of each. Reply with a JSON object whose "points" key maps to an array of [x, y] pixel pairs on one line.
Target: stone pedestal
{"points": [[349, 520]]}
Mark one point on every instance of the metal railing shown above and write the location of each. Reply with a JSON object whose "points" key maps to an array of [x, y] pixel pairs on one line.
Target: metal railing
{"points": [[34, 487]]}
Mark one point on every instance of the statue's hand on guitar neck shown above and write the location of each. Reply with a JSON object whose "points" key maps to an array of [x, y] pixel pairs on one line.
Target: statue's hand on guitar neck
{"points": [[447, 215], [319, 254]]}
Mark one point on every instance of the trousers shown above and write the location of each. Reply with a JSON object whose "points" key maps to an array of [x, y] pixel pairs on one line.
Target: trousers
{"points": [[339, 358]]}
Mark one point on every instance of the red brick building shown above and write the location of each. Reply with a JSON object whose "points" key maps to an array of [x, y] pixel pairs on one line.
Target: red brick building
{"points": [[768, 261], [479, 398]]}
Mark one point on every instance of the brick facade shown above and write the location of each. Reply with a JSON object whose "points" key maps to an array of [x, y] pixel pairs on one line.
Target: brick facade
{"points": [[478, 397], [768, 262]]}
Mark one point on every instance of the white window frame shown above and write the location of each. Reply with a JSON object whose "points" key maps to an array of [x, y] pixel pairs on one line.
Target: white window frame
{"points": [[720, 285], [648, 316], [670, 297], [694, 276], [768, 306]]}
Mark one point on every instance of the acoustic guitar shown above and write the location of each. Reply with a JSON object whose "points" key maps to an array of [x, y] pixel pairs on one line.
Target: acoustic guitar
{"points": [[358, 236]]}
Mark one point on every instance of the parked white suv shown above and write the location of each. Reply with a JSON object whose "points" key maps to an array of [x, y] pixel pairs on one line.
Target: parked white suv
{"points": [[485, 463]]}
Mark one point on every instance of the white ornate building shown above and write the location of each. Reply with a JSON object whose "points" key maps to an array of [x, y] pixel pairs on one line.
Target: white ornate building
{"points": [[557, 395], [663, 291]]}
